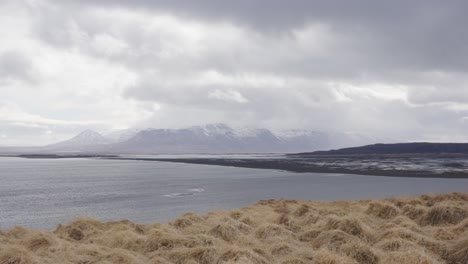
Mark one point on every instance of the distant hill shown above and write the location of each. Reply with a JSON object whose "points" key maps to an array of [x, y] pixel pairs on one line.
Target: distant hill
{"points": [[399, 148], [83, 141]]}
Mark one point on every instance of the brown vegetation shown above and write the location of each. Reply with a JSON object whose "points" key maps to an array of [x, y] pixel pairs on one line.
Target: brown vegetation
{"points": [[422, 230]]}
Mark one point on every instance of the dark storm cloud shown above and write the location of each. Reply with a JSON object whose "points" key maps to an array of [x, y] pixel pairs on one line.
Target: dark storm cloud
{"points": [[425, 35]]}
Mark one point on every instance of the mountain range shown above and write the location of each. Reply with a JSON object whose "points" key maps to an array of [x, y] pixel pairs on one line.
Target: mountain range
{"points": [[211, 138]]}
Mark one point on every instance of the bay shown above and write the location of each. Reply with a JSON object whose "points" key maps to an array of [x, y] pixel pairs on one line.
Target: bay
{"points": [[42, 193]]}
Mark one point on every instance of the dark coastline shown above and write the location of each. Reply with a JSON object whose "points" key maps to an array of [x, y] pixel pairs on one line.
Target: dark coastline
{"points": [[298, 165], [293, 165]]}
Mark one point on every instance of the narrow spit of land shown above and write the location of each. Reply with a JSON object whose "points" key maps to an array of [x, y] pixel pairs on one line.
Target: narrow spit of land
{"points": [[301, 165], [394, 165], [429, 229]]}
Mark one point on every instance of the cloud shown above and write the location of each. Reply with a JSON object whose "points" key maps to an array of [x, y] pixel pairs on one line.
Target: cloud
{"points": [[395, 69], [228, 95], [18, 127], [108, 45], [420, 34], [15, 66]]}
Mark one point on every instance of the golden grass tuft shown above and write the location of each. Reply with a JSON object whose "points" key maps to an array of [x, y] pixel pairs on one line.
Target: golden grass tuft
{"points": [[15, 254], [395, 244], [38, 242], [269, 231], [241, 256], [161, 240], [333, 240], [430, 229], [440, 215], [458, 251], [324, 256], [281, 250], [414, 212], [362, 253], [350, 225], [382, 210], [186, 220], [302, 210], [201, 255], [410, 257], [225, 231]]}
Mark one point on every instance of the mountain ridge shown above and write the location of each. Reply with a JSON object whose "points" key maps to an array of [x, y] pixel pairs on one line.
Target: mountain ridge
{"points": [[209, 138]]}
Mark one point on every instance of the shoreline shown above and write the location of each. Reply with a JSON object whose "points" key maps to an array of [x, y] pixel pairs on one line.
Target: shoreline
{"points": [[406, 230], [296, 165]]}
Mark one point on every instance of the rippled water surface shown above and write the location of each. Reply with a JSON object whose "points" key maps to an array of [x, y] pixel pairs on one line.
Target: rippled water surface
{"points": [[42, 193]]}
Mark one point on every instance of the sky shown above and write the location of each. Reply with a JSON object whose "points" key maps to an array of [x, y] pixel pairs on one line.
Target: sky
{"points": [[393, 69]]}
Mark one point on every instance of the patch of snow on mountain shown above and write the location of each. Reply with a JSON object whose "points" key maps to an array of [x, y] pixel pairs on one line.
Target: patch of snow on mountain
{"points": [[212, 129]]}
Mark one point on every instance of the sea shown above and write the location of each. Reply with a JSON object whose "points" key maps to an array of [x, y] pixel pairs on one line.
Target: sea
{"points": [[42, 193]]}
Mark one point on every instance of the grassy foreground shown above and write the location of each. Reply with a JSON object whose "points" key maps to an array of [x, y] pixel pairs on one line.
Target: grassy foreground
{"points": [[423, 230]]}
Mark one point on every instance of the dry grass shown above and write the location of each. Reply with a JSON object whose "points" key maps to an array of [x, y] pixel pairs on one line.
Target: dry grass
{"points": [[427, 229]]}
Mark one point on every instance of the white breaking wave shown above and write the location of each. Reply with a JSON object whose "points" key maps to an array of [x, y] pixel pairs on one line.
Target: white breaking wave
{"points": [[189, 192]]}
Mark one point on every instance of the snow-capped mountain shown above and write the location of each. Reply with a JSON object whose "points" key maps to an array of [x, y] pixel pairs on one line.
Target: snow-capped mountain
{"points": [[212, 129], [220, 138], [213, 138]]}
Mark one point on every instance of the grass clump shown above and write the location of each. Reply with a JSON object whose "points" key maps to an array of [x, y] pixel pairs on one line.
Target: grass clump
{"points": [[458, 251], [382, 210], [15, 254], [440, 215]]}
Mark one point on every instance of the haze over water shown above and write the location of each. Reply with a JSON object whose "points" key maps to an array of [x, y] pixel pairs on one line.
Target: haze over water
{"points": [[41, 193]]}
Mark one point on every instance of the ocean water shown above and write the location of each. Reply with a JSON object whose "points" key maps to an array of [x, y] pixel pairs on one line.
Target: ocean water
{"points": [[41, 193]]}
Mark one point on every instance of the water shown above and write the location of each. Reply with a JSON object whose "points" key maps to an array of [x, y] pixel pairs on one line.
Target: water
{"points": [[41, 193]]}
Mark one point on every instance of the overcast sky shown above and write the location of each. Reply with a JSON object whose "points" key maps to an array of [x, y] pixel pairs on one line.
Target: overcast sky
{"points": [[394, 69]]}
